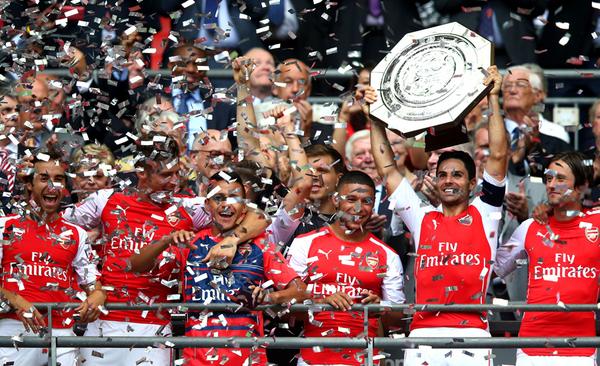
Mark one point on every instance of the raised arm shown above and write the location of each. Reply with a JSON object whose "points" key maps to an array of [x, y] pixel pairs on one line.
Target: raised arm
{"points": [[384, 157], [497, 163], [380, 145], [301, 182], [245, 118]]}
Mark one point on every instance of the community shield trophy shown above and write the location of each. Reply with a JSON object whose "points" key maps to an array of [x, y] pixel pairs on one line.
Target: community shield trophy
{"points": [[430, 81]]}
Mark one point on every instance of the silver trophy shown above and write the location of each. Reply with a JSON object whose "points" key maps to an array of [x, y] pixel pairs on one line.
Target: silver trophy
{"points": [[430, 81]]}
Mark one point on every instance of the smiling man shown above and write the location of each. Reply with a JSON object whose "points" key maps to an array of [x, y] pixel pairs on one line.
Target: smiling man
{"points": [[563, 261], [45, 259], [256, 267], [343, 263], [454, 246]]}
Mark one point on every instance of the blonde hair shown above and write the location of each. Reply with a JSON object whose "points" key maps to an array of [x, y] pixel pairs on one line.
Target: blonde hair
{"points": [[592, 111], [91, 155]]}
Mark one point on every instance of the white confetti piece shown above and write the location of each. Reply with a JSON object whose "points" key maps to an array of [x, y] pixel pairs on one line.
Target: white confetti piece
{"points": [[536, 180], [267, 284], [290, 110], [213, 192], [43, 157], [312, 259], [565, 39], [262, 29], [550, 278], [585, 225], [483, 273], [201, 277], [171, 210], [188, 3], [344, 330], [130, 30], [157, 217], [71, 12], [135, 79], [331, 51], [495, 215], [500, 302]]}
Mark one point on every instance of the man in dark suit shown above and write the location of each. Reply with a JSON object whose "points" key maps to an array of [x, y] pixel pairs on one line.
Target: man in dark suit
{"points": [[192, 93], [507, 23], [531, 148]]}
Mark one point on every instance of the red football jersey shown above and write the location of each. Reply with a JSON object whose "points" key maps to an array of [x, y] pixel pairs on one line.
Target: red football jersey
{"points": [[45, 262], [454, 255], [128, 225], [563, 264], [331, 265]]}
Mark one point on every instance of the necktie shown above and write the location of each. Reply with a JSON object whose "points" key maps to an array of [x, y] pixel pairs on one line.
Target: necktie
{"points": [[183, 104], [514, 138], [8, 168], [210, 9], [375, 7], [277, 13], [486, 23], [187, 100]]}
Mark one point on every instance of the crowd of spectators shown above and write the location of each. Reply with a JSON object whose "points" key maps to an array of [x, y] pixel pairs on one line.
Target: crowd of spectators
{"points": [[154, 182]]}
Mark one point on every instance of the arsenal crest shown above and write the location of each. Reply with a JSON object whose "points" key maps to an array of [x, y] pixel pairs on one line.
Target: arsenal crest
{"points": [[372, 260], [592, 233], [466, 220], [244, 249], [173, 220]]}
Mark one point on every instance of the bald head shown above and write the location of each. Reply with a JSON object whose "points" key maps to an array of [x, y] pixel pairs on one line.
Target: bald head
{"points": [[210, 152], [296, 76], [261, 79]]}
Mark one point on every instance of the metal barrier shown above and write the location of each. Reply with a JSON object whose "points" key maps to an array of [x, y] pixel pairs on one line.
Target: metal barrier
{"points": [[336, 74], [367, 343]]}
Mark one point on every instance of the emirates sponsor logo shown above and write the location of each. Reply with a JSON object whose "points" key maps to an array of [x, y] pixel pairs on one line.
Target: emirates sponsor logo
{"points": [[444, 259], [41, 265], [132, 241], [555, 273], [592, 234]]}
